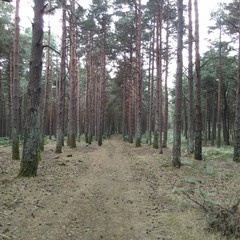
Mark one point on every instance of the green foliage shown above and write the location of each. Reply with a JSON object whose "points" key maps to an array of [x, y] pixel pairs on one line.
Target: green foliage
{"points": [[5, 141], [6, 29]]}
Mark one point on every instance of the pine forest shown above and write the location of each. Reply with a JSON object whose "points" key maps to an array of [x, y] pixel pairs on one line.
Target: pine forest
{"points": [[119, 119]]}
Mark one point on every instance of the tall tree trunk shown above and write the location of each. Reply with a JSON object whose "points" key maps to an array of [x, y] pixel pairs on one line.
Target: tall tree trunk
{"points": [[198, 115], [45, 109], [31, 153], [2, 130], [79, 119], [149, 109], [72, 81], [225, 119], [236, 156], [219, 90], [1, 106], [213, 135], [124, 77], [159, 75], [50, 102], [130, 98], [165, 127], [206, 120], [10, 91], [138, 133], [103, 83], [158, 106], [16, 89], [61, 95], [178, 102], [190, 82], [91, 95]]}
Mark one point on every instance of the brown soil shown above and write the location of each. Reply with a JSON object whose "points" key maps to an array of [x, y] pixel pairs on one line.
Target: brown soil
{"points": [[113, 192]]}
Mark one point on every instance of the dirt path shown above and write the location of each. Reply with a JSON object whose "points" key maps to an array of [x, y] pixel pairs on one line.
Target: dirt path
{"points": [[113, 192], [92, 195]]}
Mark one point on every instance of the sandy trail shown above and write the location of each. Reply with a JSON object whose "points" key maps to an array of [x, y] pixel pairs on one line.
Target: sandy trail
{"points": [[96, 194]]}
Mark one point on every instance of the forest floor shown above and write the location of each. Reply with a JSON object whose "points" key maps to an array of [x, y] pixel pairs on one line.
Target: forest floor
{"points": [[113, 192]]}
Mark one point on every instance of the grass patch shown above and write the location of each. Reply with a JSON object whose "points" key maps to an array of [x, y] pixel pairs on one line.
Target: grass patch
{"points": [[187, 225], [214, 153], [5, 141], [208, 168]]}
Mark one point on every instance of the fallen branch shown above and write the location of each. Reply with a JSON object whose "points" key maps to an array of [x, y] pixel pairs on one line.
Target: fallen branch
{"points": [[201, 205], [225, 220]]}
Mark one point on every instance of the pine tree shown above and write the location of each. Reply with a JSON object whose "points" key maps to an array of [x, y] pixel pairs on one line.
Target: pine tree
{"points": [[31, 152]]}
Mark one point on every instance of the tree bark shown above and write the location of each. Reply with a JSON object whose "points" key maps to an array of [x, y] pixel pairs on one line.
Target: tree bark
{"points": [[10, 94], [165, 121], [130, 98], [103, 80], [176, 161], [190, 82], [150, 85], [31, 153], [124, 86], [79, 109], [16, 89], [219, 90], [45, 108], [138, 132], [2, 107], [198, 115], [50, 102], [236, 155], [72, 81], [61, 95]]}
